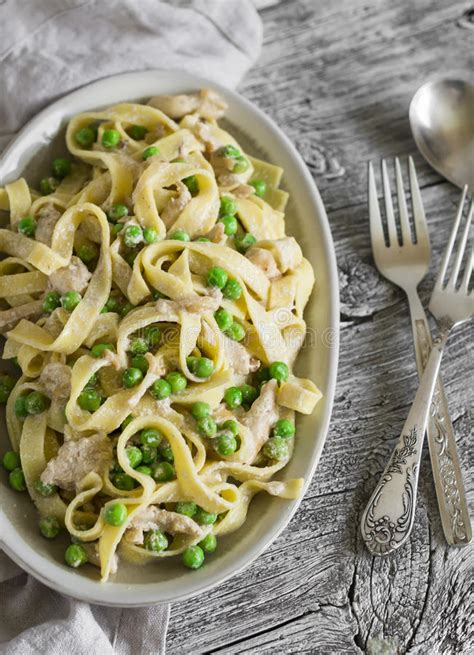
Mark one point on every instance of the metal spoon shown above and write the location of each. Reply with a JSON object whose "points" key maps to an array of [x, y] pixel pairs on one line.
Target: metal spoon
{"points": [[442, 123]]}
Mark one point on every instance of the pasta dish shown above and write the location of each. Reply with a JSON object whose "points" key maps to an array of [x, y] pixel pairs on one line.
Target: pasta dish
{"points": [[152, 307]]}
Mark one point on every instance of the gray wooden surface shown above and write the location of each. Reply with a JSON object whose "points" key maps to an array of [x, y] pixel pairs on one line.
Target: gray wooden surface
{"points": [[337, 76]]}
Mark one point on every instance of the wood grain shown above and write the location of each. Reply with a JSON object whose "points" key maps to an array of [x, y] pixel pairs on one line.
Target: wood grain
{"points": [[337, 76]]}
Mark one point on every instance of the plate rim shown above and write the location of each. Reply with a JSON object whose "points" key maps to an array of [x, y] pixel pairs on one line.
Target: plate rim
{"points": [[93, 591]]}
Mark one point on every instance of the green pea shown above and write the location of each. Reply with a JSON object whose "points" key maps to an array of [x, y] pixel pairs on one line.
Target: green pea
{"points": [[166, 452], [131, 377], [177, 381], [205, 518], [224, 319], [116, 514], [202, 367], [156, 541], [262, 375], [150, 454], [241, 165], [276, 448], [89, 400], [36, 403], [232, 426], [138, 346], [249, 393], [11, 460], [20, 407], [85, 137], [47, 185], [99, 349], [200, 409], [179, 235], [16, 480], [279, 371], [233, 397], [70, 300], [244, 242], [193, 557], [61, 168], [186, 508], [228, 206], [151, 437], [284, 428], [137, 132], [123, 481], [49, 527], [232, 290], [127, 308], [6, 385], [132, 236], [230, 225], [236, 332], [126, 422], [27, 226], [207, 426], [112, 305], [151, 151], [260, 187], [110, 138], [75, 556], [150, 235], [217, 277], [152, 335], [228, 151], [92, 381], [225, 444], [117, 211], [209, 543], [140, 362], [145, 470], [193, 185], [52, 301], [163, 472], [160, 389], [134, 456], [203, 240], [45, 490], [88, 252], [115, 229]]}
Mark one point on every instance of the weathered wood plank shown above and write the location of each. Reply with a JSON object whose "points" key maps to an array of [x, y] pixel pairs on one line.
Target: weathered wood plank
{"points": [[337, 76]]}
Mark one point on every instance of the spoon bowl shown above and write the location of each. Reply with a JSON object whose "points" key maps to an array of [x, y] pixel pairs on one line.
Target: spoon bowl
{"points": [[442, 123]]}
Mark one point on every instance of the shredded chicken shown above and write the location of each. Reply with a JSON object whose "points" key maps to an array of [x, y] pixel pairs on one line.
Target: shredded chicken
{"points": [[217, 234], [56, 381], [75, 459], [10, 317], [262, 415], [287, 252], [206, 103], [175, 205], [244, 191], [47, 218], [54, 323], [265, 260], [192, 304], [202, 132], [73, 277], [228, 180], [153, 518]]}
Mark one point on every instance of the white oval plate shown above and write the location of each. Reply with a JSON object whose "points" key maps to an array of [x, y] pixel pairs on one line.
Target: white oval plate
{"points": [[30, 154]]}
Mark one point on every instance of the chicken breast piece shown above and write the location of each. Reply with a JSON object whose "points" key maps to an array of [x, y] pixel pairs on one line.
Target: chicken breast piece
{"points": [[262, 415], [10, 317], [56, 381], [175, 205], [73, 277], [75, 459], [206, 103], [153, 518], [265, 260], [47, 218]]}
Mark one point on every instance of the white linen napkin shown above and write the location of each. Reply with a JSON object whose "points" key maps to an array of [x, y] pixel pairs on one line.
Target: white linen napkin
{"points": [[47, 49]]}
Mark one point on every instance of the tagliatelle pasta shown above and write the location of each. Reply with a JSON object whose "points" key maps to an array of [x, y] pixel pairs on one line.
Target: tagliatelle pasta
{"points": [[154, 304]]}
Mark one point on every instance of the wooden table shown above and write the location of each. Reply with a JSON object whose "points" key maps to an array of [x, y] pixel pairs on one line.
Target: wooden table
{"points": [[337, 76]]}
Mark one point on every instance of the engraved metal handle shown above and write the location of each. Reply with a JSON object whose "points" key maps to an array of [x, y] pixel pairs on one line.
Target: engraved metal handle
{"points": [[441, 440], [388, 518]]}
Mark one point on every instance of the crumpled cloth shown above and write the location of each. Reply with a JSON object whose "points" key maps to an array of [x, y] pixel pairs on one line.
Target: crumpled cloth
{"points": [[48, 48]]}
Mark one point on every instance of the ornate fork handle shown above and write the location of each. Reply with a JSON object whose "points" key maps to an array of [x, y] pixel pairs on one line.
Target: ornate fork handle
{"points": [[388, 517], [441, 440]]}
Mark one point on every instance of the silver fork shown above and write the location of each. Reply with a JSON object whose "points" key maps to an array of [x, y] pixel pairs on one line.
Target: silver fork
{"points": [[388, 518], [405, 265]]}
